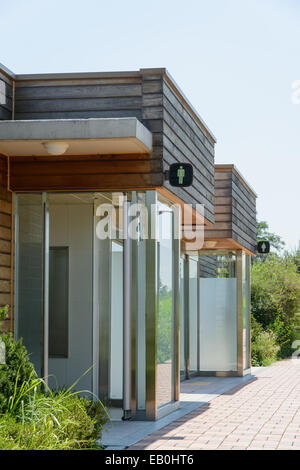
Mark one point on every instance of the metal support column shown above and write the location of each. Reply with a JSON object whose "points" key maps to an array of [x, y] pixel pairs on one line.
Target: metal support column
{"points": [[240, 345], [151, 307], [126, 314], [45, 321], [176, 300]]}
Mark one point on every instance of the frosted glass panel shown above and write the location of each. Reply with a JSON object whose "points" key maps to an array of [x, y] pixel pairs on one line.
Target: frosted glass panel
{"points": [[246, 307], [141, 327], [218, 317], [116, 326], [182, 319], [193, 315]]}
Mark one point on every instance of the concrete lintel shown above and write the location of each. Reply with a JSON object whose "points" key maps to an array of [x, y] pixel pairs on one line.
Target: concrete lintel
{"points": [[99, 135]]}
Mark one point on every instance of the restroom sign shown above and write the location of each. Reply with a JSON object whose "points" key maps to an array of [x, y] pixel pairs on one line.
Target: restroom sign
{"points": [[181, 174]]}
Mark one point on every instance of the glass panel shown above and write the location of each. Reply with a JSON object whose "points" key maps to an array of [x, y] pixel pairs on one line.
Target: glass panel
{"points": [[182, 320], [116, 322], [71, 272], [30, 275], [193, 307], [165, 324], [246, 307], [218, 313], [141, 311], [58, 301]]}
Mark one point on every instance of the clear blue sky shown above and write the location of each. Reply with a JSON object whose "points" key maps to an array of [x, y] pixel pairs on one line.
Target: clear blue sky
{"points": [[235, 60]]}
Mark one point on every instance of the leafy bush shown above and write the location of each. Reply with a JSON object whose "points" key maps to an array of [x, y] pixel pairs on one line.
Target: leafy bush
{"points": [[275, 301], [34, 417], [17, 366], [164, 333], [52, 422], [61, 420], [264, 348]]}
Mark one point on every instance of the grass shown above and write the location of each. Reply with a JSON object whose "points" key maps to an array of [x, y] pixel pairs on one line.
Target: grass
{"points": [[40, 419]]}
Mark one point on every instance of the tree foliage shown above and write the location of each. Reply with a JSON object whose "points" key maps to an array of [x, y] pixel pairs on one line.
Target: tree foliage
{"points": [[263, 233], [275, 299]]}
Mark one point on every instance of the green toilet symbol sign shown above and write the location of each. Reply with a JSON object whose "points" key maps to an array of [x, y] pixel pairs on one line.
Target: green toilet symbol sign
{"points": [[263, 247], [181, 174]]}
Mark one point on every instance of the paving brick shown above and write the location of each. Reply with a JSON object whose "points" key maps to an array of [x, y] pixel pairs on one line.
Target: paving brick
{"points": [[261, 414]]}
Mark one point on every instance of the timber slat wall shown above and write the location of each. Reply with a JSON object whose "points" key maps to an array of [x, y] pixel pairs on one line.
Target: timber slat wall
{"points": [[148, 95], [5, 97], [89, 173], [185, 141], [5, 243], [235, 209], [208, 266]]}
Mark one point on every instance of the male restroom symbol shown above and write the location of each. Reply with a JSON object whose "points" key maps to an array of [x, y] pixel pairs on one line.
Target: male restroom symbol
{"points": [[180, 175]]}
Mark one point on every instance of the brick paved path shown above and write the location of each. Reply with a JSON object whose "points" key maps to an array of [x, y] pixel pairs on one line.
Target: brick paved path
{"points": [[264, 413]]}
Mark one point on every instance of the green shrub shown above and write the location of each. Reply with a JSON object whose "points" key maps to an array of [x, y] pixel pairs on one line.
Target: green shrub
{"points": [[275, 299], [32, 417], [164, 331], [51, 421], [17, 365], [264, 348]]}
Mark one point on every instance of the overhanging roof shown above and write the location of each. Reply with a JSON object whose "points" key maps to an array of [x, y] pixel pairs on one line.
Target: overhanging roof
{"points": [[95, 136]]}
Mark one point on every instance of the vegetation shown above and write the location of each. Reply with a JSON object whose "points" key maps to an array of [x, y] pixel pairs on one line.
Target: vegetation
{"points": [[36, 420], [164, 333], [275, 300], [32, 417]]}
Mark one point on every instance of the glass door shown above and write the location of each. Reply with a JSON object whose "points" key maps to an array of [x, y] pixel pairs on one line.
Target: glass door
{"points": [[31, 274], [165, 321]]}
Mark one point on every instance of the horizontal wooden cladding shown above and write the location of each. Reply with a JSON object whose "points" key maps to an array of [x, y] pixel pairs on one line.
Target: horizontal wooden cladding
{"points": [[182, 114], [5, 97], [207, 266], [5, 114], [78, 91], [82, 98], [200, 190], [57, 82], [185, 141], [5, 241], [178, 134], [187, 112], [83, 104], [117, 113], [86, 174], [235, 210]]}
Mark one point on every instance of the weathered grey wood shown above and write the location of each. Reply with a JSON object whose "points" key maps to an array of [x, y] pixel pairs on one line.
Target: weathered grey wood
{"points": [[5, 97], [5, 78], [187, 115], [80, 91], [7, 104], [235, 209], [5, 114], [189, 129], [81, 114], [87, 104], [76, 82], [154, 86], [175, 143], [244, 189], [178, 134], [249, 201], [154, 99], [243, 215], [200, 183], [152, 113]]}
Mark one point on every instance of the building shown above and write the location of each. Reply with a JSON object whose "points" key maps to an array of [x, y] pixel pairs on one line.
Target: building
{"points": [[135, 316]]}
